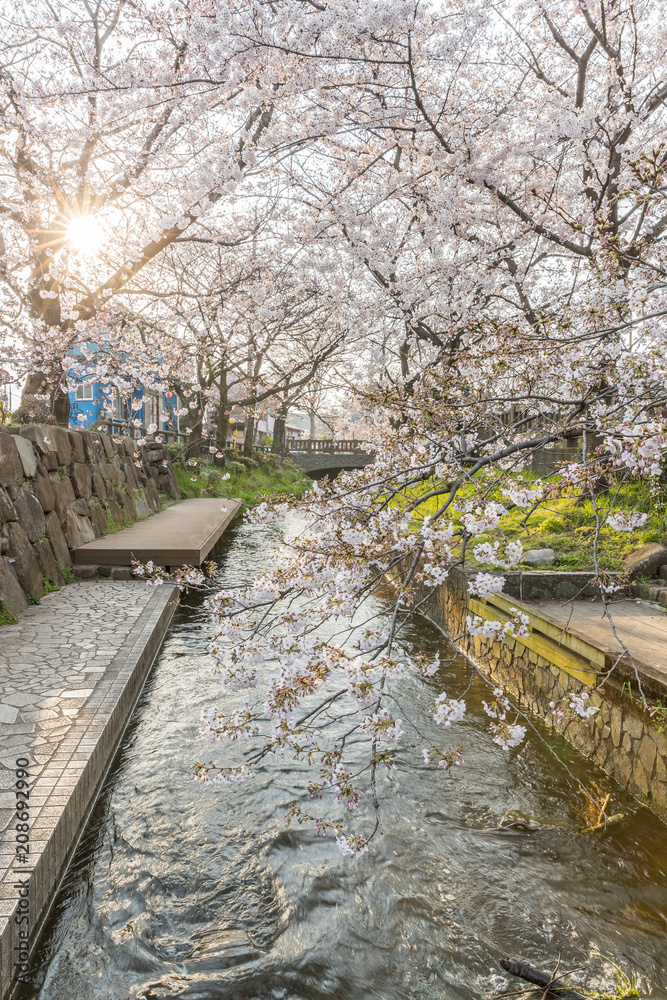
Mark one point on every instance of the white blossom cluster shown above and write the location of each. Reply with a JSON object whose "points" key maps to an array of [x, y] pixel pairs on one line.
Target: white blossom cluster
{"points": [[446, 711]]}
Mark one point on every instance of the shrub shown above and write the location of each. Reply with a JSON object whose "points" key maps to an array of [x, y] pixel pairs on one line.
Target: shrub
{"points": [[176, 452]]}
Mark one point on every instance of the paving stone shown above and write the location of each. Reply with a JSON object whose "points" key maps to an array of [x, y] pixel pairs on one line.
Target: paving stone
{"points": [[8, 713], [20, 700]]}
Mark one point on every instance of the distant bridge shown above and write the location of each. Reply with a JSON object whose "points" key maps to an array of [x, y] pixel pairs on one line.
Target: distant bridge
{"points": [[328, 457]]}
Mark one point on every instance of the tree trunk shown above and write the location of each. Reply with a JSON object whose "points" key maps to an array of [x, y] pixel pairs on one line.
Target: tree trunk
{"points": [[222, 429], [61, 407], [279, 446], [193, 444], [404, 355], [54, 406], [311, 414], [249, 437], [48, 310], [222, 418]]}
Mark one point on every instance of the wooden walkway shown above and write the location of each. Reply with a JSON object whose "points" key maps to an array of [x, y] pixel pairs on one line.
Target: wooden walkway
{"points": [[638, 625], [180, 535], [637, 628], [579, 638]]}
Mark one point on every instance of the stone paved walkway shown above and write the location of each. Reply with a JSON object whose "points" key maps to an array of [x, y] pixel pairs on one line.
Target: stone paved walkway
{"points": [[70, 673], [50, 664]]}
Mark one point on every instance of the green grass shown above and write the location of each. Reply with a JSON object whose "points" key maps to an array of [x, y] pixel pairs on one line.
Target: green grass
{"points": [[49, 586], [568, 526], [68, 574], [112, 526], [6, 617], [251, 480]]}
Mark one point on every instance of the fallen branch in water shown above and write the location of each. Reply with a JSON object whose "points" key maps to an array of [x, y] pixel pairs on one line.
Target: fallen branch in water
{"points": [[547, 981], [594, 814]]}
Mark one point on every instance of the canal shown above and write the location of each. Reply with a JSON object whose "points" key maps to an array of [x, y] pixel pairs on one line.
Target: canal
{"points": [[183, 890]]}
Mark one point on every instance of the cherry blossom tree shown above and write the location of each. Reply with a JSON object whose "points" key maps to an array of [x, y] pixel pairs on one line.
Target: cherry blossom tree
{"points": [[496, 171], [125, 127]]}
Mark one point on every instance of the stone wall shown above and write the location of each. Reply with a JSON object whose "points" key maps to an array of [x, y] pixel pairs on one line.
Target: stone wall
{"points": [[61, 488], [621, 737]]}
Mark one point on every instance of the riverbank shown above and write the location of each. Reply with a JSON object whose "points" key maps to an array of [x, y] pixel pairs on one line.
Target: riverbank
{"points": [[72, 670], [571, 648], [248, 479]]}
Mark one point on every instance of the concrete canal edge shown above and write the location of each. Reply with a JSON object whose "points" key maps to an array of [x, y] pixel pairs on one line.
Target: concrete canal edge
{"points": [[69, 786], [551, 661]]}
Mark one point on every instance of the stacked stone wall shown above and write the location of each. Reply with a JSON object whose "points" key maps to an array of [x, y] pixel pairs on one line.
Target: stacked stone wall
{"points": [[61, 488], [621, 737]]}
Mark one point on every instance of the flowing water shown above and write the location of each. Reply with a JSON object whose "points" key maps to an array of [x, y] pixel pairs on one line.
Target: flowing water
{"points": [[184, 890]]}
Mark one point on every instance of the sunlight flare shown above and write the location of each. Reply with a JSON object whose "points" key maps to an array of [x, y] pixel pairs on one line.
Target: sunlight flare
{"points": [[85, 234]]}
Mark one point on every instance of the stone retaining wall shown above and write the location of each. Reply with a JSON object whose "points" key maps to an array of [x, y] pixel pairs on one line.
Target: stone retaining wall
{"points": [[61, 488], [621, 737]]}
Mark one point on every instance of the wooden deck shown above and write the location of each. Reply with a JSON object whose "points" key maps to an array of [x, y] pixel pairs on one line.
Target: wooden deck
{"points": [[180, 535], [579, 638], [636, 625]]}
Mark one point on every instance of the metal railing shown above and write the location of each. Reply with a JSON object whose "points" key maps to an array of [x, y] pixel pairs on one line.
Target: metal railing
{"points": [[127, 429], [308, 445], [329, 445]]}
